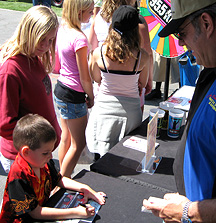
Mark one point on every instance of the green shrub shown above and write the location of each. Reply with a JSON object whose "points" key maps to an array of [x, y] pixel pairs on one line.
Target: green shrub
{"points": [[23, 5]]}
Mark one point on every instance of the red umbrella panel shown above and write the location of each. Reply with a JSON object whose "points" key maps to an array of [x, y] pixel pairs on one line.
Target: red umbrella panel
{"points": [[157, 14]]}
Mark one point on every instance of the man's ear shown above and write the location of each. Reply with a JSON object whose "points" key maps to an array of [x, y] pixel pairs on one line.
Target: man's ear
{"points": [[208, 24], [25, 151]]}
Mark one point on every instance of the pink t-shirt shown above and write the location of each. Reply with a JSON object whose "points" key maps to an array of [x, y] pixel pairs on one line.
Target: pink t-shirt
{"points": [[69, 41]]}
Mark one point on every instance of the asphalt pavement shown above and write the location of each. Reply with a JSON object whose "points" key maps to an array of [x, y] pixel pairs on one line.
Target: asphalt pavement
{"points": [[8, 22]]}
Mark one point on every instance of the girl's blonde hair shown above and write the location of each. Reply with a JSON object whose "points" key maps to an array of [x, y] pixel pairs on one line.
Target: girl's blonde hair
{"points": [[121, 47], [109, 6], [33, 27], [72, 12]]}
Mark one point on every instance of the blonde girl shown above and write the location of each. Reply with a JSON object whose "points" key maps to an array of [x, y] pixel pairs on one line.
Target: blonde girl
{"points": [[29, 34], [73, 91], [25, 86]]}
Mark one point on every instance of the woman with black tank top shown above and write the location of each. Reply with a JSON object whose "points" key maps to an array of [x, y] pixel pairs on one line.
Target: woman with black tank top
{"points": [[121, 68]]}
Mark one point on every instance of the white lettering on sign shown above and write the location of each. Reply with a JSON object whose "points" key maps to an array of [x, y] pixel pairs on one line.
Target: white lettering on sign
{"points": [[161, 9]]}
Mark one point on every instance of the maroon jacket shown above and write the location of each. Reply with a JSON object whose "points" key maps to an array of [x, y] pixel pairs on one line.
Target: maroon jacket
{"points": [[25, 88]]}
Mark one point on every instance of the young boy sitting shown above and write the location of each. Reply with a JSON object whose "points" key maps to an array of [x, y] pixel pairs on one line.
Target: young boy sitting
{"points": [[33, 176]]}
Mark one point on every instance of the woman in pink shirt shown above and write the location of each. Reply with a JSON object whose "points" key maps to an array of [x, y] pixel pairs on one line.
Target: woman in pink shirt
{"points": [[73, 92]]}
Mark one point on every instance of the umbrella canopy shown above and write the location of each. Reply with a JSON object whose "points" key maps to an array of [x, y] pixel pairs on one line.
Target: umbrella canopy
{"points": [[157, 14]]}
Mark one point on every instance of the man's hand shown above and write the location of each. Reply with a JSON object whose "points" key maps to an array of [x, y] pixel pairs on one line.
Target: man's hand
{"points": [[170, 208]]}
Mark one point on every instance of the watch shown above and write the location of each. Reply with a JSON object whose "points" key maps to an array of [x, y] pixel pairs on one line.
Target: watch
{"points": [[185, 218]]}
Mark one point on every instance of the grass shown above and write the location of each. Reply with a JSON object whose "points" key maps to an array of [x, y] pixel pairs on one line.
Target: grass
{"points": [[23, 5]]}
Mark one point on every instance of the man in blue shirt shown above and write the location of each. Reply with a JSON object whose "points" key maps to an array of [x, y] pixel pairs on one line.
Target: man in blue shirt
{"points": [[194, 24]]}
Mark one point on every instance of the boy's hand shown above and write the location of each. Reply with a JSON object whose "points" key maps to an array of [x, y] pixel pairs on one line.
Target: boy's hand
{"points": [[85, 212], [100, 196], [96, 196]]}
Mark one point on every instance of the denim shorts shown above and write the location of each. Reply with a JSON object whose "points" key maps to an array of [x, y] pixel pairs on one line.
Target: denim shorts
{"points": [[69, 110]]}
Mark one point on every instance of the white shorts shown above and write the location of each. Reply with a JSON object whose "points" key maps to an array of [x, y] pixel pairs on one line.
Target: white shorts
{"points": [[6, 163]]}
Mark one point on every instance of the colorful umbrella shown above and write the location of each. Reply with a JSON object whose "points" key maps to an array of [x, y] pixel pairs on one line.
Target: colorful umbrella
{"points": [[157, 14]]}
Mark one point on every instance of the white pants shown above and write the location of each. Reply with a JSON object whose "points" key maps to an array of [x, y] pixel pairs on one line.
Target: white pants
{"points": [[6, 163]]}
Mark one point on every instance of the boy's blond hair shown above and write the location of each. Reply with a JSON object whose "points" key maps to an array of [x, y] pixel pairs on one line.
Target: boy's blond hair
{"points": [[33, 27], [72, 9]]}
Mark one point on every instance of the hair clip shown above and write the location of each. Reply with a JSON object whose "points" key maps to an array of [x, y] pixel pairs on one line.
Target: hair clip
{"points": [[118, 31]]}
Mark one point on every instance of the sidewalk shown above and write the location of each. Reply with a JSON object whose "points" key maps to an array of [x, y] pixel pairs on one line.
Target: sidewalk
{"points": [[8, 22]]}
